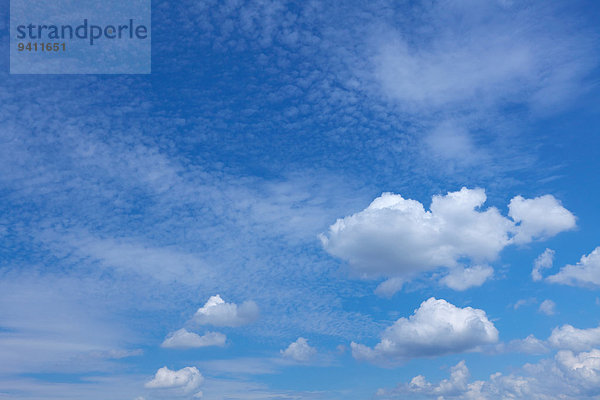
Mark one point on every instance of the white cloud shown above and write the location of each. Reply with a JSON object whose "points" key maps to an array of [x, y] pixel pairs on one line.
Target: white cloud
{"points": [[529, 345], [585, 366], [219, 313], [539, 218], [37, 314], [241, 366], [436, 328], [585, 273], [524, 302], [389, 287], [396, 237], [543, 261], [565, 337], [481, 55], [452, 143], [457, 384], [116, 354], [547, 307], [569, 338], [182, 339], [299, 350], [187, 379], [464, 278], [129, 255], [437, 78], [568, 376]]}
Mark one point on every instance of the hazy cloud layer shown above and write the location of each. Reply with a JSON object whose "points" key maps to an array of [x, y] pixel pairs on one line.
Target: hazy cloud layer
{"points": [[472, 54], [183, 339]]}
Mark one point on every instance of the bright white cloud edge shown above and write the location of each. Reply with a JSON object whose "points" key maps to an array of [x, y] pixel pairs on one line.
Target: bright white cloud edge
{"points": [[187, 379], [397, 238], [217, 312], [585, 273], [436, 328]]}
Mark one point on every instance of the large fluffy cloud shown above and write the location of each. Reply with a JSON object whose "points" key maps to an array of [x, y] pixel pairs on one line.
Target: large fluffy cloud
{"points": [[217, 312], [436, 328], [397, 237], [299, 350], [183, 339], [186, 379], [585, 273]]}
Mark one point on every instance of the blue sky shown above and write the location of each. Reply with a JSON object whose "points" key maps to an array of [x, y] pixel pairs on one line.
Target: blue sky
{"points": [[309, 200]]}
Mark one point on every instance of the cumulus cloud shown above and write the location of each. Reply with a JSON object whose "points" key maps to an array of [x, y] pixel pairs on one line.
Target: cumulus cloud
{"points": [[543, 261], [436, 328], [584, 367], [397, 238], [585, 273], [547, 307], [186, 379], [539, 218], [568, 337], [567, 376], [217, 312], [299, 350], [565, 337], [457, 384], [183, 339]]}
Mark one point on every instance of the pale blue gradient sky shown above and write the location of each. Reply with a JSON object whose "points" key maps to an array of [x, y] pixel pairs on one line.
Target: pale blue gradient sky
{"points": [[128, 201]]}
